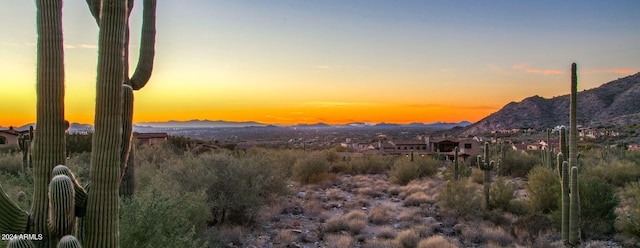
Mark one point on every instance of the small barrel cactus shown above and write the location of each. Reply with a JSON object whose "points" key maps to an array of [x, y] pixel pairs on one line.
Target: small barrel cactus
{"points": [[69, 241]]}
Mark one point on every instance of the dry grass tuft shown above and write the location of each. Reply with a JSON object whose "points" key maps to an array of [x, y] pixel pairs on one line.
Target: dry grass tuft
{"points": [[380, 214], [286, 237], [387, 232], [339, 241], [417, 199], [336, 224], [408, 238], [380, 243], [437, 241]]}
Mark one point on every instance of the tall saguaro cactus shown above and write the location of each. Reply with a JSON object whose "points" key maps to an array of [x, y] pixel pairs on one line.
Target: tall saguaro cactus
{"points": [[486, 166], [139, 78], [49, 145], [569, 179], [101, 220]]}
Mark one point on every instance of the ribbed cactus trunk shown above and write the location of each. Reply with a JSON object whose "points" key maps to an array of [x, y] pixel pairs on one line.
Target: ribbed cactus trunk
{"points": [[140, 76], [101, 221], [61, 207], [49, 145], [456, 164], [564, 181], [574, 212]]}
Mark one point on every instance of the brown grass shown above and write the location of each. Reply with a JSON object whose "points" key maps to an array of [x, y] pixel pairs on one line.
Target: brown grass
{"points": [[336, 224], [380, 215], [286, 237], [437, 241], [387, 232], [408, 238], [339, 241], [418, 198]]}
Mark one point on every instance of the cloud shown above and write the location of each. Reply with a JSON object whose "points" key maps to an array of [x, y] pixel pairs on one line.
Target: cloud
{"points": [[612, 71], [440, 107], [322, 67], [527, 68], [88, 46], [446, 70]]}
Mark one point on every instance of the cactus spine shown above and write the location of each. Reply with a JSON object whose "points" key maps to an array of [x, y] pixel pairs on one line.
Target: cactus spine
{"points": [[61, 207], [80, 194], [20, 243], [69, 242], [103, 206]]}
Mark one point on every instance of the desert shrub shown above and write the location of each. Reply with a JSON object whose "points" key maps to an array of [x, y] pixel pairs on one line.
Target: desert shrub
{"points": [[464, 171], [497, 236], [18, 187], [543, 189], [501, 194], [477, 176], [459, 197], [616, 172], [310, 168], [167, 219], [370, 164], [404, 170], [11, 163], [78, 143], [408, 238], [335, 224], [380, 215], [518, 164], [387, 232], [629, 221], [417, 199], [436, 241], [598, 202]]}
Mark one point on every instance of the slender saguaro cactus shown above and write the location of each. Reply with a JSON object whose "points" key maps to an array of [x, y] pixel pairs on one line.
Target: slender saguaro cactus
{"points": [[140, 76], [103, 207], [457, 163], [49, 145], [564, 148], [126, 153], [486, 166], [574, 212]]}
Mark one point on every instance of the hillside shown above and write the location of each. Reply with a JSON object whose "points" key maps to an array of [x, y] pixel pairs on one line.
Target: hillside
{"points": [[613, 103]]}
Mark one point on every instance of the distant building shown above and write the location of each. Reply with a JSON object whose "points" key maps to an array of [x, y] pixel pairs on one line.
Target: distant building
{"points": [[151, 138], [9, 137]]}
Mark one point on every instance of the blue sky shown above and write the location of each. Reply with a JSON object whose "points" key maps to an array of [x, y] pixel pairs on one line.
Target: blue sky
{"points": [[337, 61]]}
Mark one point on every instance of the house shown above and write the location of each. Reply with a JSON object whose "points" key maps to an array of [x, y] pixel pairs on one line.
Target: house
{"points": [[9, 137], [151, 138]]}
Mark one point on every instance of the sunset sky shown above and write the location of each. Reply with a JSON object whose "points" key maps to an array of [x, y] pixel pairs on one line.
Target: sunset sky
{"points": [[299, 61]]}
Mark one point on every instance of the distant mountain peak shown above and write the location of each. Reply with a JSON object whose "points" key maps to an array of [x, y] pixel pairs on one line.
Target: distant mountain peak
{"points": [[613, 103]]}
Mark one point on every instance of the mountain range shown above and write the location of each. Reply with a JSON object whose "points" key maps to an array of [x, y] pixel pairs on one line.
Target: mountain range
{"points": [[616, 103]]}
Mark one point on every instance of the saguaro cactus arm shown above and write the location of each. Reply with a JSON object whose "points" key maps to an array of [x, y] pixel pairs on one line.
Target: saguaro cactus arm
{"points": [[147, 46], [12, 218], [80, 194]]}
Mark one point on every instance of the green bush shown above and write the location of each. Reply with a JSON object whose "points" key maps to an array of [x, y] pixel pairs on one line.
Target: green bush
{"points": [[459, 197], [501, 194], [543, 189], [11, 163], [309, 168], [629, 221], [405, 170], [617, 172], [464, 171], [518, 164], [598, 202], [371, 164], [163, 219]]}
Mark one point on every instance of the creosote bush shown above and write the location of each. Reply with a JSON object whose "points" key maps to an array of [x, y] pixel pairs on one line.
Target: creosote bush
{"points": [[405, 170], [518, 164], [459, 197], [311, 169], [501, 194], [543, 189], [629, 221]]}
